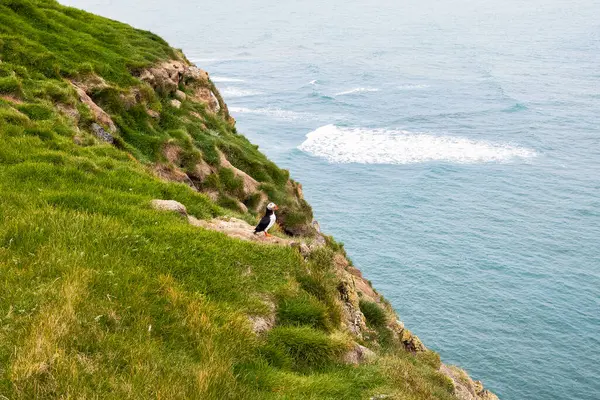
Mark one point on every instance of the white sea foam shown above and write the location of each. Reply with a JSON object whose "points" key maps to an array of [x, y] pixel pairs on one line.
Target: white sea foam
{"points": [[231, 92], [224, 79], [382, 146], [410, 87], [276, 113], [357, 90], [197, 61], [313, 82]]}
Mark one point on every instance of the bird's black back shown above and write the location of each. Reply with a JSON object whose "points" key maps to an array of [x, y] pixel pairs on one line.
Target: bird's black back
{"points": [[264, 222]]}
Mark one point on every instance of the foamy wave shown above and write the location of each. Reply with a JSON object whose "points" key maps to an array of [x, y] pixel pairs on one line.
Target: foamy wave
{"points": [[357, 90], [410, 87], [232, 92], [313, 82], [204, 60], [272, 112], [224, 79], [382, 146]]}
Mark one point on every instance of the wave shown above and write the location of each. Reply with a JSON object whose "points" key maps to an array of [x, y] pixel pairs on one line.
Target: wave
{"points": [[276, 113], [313, 82], [410, 87], [357, 90], [383, 146], [196, 61], [232, 92], [224, 79]]}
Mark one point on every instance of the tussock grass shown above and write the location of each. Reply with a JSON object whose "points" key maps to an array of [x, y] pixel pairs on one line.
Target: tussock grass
{"points": [[374, 314], [306, 347], [303, 310]]}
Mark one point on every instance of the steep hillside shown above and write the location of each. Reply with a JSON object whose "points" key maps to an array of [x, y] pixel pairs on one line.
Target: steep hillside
{"points": [[127, 266]]}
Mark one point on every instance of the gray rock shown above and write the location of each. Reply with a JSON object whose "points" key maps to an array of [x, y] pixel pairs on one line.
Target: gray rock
{"points": [[264, 323], [359, 355], [181, 96], [316, 225], [102, 134], [302, 248], [261, 324], [176, 103], [169, 205]]}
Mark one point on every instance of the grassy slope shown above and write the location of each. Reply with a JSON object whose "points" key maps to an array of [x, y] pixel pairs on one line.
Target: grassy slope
{"points": [[102, 297]]}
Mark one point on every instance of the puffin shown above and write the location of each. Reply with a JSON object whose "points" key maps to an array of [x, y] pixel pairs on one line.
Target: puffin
{"points": [[268, 220]]}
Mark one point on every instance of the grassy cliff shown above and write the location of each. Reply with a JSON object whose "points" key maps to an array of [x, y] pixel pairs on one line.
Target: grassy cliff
{"points": [[102, 296]]}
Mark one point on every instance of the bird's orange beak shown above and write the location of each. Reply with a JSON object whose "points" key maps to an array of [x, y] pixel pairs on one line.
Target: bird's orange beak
{"points": [[276, 207]]}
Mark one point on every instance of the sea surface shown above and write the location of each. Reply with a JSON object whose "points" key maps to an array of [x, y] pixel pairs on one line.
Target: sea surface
{"points": [[453, 146]]}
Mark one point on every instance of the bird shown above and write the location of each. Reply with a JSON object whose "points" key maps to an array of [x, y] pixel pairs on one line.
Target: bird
{"points": [[268, 220]]}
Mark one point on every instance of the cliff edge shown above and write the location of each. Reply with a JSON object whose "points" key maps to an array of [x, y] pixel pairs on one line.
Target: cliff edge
{"points": [[129, 270]]}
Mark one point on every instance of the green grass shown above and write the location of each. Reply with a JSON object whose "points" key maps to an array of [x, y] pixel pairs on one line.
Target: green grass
{"points": [[373, 313], [307, 348], [102, 297], [303, 310], [42, 44]]}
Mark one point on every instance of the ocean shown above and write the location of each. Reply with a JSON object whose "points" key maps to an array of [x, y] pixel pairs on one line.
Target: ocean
{"points": [[454, 147]]}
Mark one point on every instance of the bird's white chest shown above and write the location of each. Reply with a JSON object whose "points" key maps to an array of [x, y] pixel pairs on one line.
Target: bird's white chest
{"points": [[273, 218]]}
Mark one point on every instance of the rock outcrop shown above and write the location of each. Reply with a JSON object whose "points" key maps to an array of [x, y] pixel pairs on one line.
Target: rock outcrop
{"points": [[466, 388], [237, 228], [102, 134], [169, 205], [250, 184], [98, 113], [167, 78], [359, 355]]}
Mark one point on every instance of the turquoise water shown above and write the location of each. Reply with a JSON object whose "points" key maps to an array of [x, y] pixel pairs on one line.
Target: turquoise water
{"points": [[454, 149]]}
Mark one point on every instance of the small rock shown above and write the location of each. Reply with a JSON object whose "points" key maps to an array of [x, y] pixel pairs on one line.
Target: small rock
{"points": [[261, 324], [176, 103], [359, 355], [316, 225], [180, 95], [196, 74], [242, 207], [153, 114], [302, 248], [102, 134], [169, 205], [204, 95]]}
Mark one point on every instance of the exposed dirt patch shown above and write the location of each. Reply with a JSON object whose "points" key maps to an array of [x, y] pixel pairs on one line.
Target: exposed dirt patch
{"points": [[10, 98], [250, 184], [238, 229], [99, 114]]}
